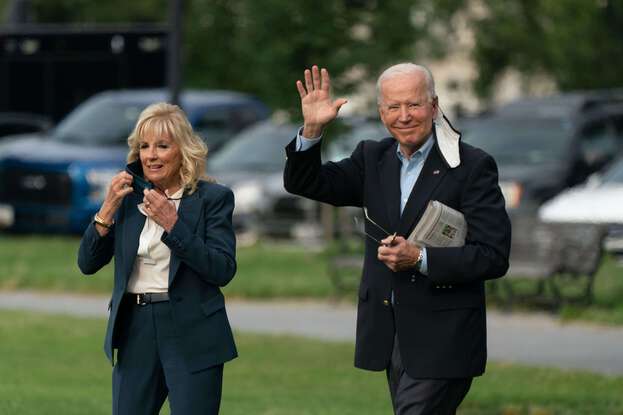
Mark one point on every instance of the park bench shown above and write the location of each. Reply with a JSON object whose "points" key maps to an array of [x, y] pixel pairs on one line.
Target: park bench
{"points": [[344, 269], [557, 263], [560, 259]]}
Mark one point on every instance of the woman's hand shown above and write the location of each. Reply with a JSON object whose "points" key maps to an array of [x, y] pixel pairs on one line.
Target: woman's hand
{"points": [[120, 186], [160, 209]]}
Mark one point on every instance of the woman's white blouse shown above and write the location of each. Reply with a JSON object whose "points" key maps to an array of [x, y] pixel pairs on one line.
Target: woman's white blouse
{"points": [[151, 267]]}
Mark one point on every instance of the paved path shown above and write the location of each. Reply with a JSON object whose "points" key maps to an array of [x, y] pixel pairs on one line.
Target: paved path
{"points": [[535, 339]]}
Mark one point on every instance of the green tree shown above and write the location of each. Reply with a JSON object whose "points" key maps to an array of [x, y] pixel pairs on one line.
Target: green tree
{"points": [[578, 43], [262, 46]]}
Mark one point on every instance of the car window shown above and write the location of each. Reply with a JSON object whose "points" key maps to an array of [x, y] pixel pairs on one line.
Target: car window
{"points": [[346, 141], [618, 127], [614, 175], [10, 128], [598, 141], [215, 126], [100, 121], [258, 148], [521, 141], [245, 115]]}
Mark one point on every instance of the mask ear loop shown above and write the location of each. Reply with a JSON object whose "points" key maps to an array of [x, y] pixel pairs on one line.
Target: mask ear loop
{"points": [[169, 198]]}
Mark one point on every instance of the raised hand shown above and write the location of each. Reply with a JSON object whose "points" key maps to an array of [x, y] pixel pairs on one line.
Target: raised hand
{"points": [[120, 186], [318, 108]]}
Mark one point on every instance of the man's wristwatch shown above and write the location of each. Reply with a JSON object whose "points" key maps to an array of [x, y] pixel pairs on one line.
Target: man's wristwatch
{"points": [[420, 258]]}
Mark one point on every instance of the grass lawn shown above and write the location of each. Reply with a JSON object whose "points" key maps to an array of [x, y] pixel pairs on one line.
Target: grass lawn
{"points": [[264, 271], [54, 364]]}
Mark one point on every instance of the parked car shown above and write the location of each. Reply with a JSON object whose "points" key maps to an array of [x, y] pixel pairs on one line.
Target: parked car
{"points": [[12, 123], [350, 132], [55, 182], [598, 201], [252, 165], [543, 146]]}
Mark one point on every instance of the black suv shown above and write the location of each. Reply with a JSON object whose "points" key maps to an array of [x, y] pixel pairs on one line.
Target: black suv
{"points": [[543, 146]]}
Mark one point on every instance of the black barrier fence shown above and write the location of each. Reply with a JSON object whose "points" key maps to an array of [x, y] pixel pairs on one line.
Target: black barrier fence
{"points": [[50, 69]]}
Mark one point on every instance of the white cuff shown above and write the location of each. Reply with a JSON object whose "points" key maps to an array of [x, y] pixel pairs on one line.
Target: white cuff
{"points": [[303, 143], [424, 263]]}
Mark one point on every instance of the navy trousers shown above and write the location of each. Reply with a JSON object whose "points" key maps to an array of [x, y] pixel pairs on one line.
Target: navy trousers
{"points": [[150, 367]]}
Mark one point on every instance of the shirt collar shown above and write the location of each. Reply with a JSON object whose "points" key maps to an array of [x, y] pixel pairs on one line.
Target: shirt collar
{"points": [[423, 151]]}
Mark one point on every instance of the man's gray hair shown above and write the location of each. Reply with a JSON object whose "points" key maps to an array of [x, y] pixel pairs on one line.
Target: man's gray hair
{"points": [[406, 69]]}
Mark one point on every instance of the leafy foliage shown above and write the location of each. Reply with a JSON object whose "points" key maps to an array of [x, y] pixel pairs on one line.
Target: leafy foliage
{"points": [[578, 43], [262, 47]]}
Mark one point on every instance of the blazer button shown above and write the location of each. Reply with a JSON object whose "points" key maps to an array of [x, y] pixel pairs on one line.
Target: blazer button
{"points": [[385, 302]]}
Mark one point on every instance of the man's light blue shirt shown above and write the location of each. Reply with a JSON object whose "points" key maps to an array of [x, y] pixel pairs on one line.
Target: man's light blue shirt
{"points": [[409, 172]]}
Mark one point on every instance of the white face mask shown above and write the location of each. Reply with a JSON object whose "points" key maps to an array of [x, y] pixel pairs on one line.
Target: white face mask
{"points": [[447, 139]]}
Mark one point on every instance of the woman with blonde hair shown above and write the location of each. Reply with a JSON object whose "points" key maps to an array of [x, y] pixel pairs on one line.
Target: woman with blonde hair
{"points": [[170, 231]]}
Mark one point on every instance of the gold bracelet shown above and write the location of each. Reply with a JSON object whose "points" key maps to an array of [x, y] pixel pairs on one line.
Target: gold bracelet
{"points": [[97, 219]]}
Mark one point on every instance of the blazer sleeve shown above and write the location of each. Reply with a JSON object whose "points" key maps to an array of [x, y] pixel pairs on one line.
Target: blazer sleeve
{"points": [[338, 184], [213, 255], [95, 250], [487, 247]]}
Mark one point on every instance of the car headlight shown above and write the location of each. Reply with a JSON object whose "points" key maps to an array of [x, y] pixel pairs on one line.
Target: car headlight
{"points": [[248, 197], [512, 193], [99, 181]]}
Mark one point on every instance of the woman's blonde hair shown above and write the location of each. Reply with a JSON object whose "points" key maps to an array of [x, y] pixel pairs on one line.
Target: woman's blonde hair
{"points": [[162, 119]]}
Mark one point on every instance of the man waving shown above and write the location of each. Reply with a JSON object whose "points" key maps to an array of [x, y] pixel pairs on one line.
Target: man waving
{"points": [[421, 310]]}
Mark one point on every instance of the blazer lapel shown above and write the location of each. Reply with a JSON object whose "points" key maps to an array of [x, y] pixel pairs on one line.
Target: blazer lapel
{"points": [[431, 175], [133, 225], [389, 178], [188, 212]]}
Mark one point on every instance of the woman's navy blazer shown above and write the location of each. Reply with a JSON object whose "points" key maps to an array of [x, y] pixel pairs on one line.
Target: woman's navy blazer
{"points": [[203, 247]]}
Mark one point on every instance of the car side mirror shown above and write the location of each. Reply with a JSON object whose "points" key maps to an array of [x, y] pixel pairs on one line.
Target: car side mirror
{"points": [[593, 181]]}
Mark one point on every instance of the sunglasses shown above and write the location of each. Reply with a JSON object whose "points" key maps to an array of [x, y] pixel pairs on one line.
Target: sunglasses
{"points": [[361, 228]]}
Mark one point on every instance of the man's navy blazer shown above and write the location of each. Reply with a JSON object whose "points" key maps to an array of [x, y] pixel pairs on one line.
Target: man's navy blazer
{"points": [[439, 319], [203, 247]]}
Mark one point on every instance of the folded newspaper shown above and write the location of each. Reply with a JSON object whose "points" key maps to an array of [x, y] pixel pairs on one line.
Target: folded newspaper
{"points": [[440, 226]]}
